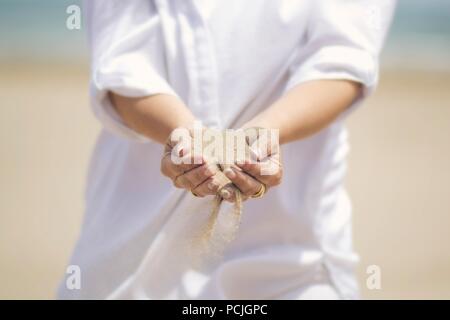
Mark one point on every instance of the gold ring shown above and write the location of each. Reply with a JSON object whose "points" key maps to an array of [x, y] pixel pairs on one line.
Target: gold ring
{"points": [[260, 192], [194, 194]]}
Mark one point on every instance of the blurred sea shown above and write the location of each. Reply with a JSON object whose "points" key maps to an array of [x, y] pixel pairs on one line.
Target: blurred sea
{"points": [[35, 31]]}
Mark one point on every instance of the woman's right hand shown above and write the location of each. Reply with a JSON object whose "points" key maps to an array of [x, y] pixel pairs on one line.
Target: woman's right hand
{"points": [[188, 170]]}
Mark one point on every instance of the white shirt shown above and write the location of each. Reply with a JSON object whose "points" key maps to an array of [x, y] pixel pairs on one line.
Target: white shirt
{"points": [[227, 60]]}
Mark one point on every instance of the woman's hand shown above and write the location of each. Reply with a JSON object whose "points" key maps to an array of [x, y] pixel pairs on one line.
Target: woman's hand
{"points": [[300, 113], [188, 170], [157, 117], [261, 171]]}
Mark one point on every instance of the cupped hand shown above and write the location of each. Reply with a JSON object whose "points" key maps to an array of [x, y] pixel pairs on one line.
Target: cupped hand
{"points": [[261, 171], [188, 170]]}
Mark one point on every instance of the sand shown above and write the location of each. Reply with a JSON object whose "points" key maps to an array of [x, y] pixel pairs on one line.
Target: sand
{"points": [[399, 179]]}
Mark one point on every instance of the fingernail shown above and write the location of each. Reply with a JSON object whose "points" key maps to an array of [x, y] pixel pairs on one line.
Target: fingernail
{"points": [[230, 173], [225, 194]]}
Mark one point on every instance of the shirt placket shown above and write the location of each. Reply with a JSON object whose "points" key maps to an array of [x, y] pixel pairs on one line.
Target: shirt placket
{"points": [[201, 65]]}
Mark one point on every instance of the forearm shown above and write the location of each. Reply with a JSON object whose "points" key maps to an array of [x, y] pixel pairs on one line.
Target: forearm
{"points": [[307, 108], [154, 116]]}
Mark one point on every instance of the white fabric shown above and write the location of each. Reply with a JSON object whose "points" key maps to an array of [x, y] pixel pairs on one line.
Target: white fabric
{"points": [[317, 291], [227, 60]]}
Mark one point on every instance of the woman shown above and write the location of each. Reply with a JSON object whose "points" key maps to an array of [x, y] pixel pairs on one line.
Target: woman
{"points": [[296, 66]]}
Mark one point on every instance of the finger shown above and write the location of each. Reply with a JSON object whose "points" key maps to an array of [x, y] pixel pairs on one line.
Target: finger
{"points": [[228, 193], [187, 162], [262, 149], [167, 167], [209, 187], [232, 195], [173, 169], [198, 175], [213, 186], [181, 182], [180, 137], [246, 183], [269, 172], [263, 142]]}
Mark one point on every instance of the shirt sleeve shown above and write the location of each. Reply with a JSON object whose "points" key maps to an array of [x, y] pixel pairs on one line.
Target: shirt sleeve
{"points": [[125, 43], [343, 42]]}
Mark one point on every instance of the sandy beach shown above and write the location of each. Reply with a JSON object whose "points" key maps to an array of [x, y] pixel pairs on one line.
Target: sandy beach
{"points": [[399, 179]]}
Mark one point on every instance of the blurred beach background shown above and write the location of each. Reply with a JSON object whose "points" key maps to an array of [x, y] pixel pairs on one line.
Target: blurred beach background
{"points": [[399, 172]]}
